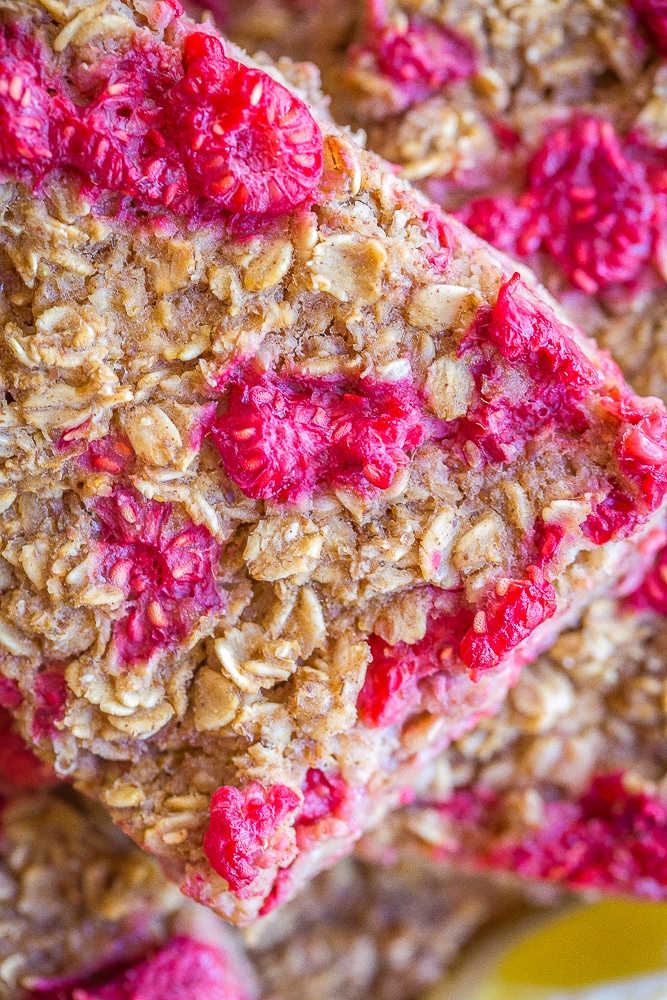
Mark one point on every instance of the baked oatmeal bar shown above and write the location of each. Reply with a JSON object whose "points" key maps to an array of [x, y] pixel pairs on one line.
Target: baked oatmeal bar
{"points": [[568, 783], [85, 914], [544, 122], [83, 908], [297, 472]]}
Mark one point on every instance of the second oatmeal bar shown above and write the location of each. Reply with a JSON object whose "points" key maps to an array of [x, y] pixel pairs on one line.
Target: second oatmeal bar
{"points": [[568, 783], [297, 472]]}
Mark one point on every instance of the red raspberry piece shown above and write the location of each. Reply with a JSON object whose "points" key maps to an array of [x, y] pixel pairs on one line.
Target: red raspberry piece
{"points": [[439, 229], [115, 140], [280, 892], [323, 795], [611, 838], [554, 374], [282, 437], [19, 768], [50, 699], [183, 969], [420, 57], [195, 136], [112, 454], [10, 694], [250, 143], [497, 220], [596, 203], [652, 15], [247, 831], [613, 517], [390, 687], [523, 330], [652, 592], [26, 107], [168, 578], [510, 617], [641, 451]]}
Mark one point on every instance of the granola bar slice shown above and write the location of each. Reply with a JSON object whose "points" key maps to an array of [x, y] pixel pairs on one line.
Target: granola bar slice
{"points": [[543, 124], [568, 783], [85, 913], [297, 472]]}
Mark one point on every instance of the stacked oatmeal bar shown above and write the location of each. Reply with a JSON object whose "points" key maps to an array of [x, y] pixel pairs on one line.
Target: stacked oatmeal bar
{"points": [[567, 783], [542, 124], [86, 914], [297, 471]]}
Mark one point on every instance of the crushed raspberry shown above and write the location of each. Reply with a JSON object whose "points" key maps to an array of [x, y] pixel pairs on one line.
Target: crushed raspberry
{"points": [[642, 448], [246, 832], [497, 220], [642, 455], [515, 611], [652, 15], [597, 203], [280, 893], [168, 578], [70, 436], [548, 538], [249, 142], [612, 838], [50, 699], [507, 137], [10, 695], [327, 803], [197, 135], [323, 795], [25, 121], [391, 686], [112, 454], [419, 57], [523, 330], [439, 229], [592, 201], [613, 517], [455, 637], [652, 592], [327, 810], [182, 968], [555, 375], [19, 768], [282, 437]]}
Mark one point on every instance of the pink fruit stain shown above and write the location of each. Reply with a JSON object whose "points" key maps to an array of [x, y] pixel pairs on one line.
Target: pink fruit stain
{"points": [[50, 699], [19, 767], [112, 454], [610, 838], [652, 16]]}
